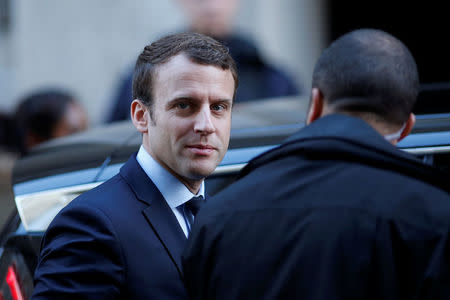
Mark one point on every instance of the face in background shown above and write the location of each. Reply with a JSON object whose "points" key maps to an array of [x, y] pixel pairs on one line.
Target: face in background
{"points": [[73, 121], [50, 115], [211, 17], [188, 130]]}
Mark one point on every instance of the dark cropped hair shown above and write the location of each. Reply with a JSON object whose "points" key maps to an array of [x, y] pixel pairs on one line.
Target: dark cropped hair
{"points": [[368, 71], [39, 112], [197, 47]]}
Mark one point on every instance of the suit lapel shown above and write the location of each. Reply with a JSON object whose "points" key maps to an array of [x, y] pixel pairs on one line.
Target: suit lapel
{"points": [[158, 213], [167, 229]]}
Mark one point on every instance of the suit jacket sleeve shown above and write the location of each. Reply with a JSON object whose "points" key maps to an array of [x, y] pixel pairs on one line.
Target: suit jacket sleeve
{"points": [[80, 258]]}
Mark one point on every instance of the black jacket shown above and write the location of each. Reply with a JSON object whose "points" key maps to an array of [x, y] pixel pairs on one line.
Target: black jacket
{"points": [[336, 212]]}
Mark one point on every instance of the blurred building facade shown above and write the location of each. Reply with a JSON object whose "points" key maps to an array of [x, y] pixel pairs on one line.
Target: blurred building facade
{"points": [[85, 45]]}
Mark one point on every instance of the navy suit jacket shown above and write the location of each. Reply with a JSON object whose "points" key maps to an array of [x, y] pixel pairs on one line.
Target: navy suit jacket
{"points": [[118, 241]]}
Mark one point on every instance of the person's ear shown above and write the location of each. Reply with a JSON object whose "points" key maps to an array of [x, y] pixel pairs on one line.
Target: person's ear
{"points": [[408, 127], [316, 106], [139, 115]]}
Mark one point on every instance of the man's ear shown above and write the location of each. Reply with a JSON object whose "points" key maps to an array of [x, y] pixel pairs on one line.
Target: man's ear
{"points": [[408, 127], [316, 106], [139, 115]]}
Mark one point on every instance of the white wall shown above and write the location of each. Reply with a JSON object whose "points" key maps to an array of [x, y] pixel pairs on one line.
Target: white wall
{"points": [[84, 45]]}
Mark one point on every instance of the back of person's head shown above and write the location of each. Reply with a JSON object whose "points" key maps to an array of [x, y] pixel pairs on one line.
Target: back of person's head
{"points": [[369, 73], [198, 48], [48, 114]]}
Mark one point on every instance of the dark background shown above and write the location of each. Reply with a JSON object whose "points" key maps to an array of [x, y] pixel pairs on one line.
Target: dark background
{"points": [[424, 27]]}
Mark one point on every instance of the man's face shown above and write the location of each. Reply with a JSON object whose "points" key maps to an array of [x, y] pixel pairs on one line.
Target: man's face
{"points": [[189, 128]]}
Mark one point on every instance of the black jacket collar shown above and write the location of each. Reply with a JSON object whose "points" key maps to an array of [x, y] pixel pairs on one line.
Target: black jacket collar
{"points": [[345, 138]]}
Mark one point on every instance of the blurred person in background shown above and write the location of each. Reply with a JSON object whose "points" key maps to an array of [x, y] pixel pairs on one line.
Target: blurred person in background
{"points": [[39, 117], [48, 114], [258, 78]]}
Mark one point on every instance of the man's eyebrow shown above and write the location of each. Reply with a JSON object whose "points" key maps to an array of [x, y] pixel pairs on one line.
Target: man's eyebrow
{"points": [[223, 100], [180, 98], [194, 99], [220, 99]]}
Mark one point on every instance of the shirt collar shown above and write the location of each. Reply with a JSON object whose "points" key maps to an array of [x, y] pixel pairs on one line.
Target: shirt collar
{"points": [[174, 191]]}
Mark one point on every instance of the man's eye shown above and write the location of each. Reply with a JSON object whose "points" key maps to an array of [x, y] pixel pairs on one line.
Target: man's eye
{"points": [[182, 105], [218, 107]]}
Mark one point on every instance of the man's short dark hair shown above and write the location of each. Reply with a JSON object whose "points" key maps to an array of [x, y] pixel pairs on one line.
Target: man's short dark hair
{"points": [[368, 71], [197, 47]]}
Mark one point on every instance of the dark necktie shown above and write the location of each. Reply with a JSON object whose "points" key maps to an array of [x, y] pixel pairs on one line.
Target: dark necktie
{"points": [[193, 206]]}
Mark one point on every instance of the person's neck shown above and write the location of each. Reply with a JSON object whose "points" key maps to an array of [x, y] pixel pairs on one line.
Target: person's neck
{"points": [[373, 121], [192, 185]]}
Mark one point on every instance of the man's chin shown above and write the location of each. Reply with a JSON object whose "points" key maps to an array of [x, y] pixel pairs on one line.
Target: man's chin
{"points": [[200, 173]]}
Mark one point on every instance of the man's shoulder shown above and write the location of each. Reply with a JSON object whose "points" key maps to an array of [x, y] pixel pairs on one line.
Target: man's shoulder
{"points": [[364, 150], [108, 197], [112, 189], [361, 188], [412, 197]]}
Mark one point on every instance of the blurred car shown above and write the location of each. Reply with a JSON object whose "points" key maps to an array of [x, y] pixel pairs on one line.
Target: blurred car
{"points": [[60, 170]]}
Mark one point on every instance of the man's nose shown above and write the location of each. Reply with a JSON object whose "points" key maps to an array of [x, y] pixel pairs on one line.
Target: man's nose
{"points": [[204, 122]]}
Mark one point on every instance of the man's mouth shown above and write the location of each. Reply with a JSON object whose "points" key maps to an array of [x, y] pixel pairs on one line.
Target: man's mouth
{"points": [[200, 149]]}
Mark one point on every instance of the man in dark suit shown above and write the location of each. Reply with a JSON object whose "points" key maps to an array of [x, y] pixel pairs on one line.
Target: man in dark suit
{"points": [[335, 212], [123, 239]]}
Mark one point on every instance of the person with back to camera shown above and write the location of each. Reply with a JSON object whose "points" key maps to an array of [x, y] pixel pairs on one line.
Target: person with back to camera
{"points": [[337, 211], [259, 78], [123, 239]]}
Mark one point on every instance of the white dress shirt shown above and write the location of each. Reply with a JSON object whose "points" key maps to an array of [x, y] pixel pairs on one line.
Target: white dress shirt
{"points": [[174, 192]]}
